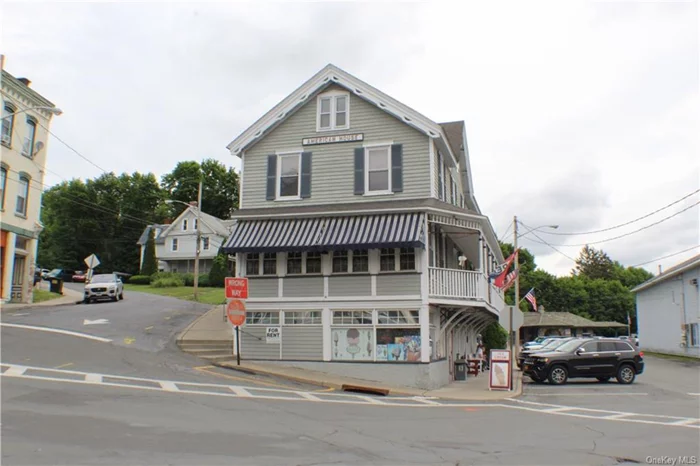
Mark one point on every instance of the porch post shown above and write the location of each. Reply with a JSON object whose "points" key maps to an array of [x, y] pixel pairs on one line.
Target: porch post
{"points": [[424, 315]]}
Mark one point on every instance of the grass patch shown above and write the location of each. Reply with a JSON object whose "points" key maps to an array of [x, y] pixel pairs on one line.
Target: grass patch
{"points": [[676, 357], [206, 295], [42, 295]]}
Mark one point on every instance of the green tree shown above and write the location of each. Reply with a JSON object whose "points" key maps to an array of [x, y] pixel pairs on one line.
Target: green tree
{"points": [[219, 187], [630, 276], [494, 337], [593, 263], [150, 262], [218, 271], [526, 266]]}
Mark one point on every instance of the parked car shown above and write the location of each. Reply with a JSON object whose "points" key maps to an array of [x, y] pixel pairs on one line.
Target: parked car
{"points": [[631, 338], [64, 274], [551, 345], [44, 273], [79, 276], [104, 286], [600, 358]]}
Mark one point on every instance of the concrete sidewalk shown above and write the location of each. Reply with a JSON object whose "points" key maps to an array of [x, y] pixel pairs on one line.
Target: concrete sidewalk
{"points": [[69, 297], [210, 326], [475, 388]]}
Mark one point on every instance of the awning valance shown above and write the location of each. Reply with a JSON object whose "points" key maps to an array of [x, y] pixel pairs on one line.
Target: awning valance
{"points": [[327, 233]]}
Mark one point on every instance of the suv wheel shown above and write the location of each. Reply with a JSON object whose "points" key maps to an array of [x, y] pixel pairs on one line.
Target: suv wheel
{"points": [[626, 374], [603, 379], [558, 375]]}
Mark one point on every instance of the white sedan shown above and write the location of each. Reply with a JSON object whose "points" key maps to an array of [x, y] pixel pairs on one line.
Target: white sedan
{"points": [[104, 286]]}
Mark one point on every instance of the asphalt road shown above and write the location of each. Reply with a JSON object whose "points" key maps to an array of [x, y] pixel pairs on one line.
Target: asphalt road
{"points": [[63, 416]]}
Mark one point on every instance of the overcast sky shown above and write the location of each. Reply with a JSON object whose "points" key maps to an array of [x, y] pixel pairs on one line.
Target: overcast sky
{"points": [[582, 114]]}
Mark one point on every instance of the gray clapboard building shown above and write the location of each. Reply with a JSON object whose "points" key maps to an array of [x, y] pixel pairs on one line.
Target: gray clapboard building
{"points": [[668, 310], [358, 229]]}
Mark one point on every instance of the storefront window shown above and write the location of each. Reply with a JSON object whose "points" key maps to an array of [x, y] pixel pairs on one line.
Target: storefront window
{"points": [[262, 318], [352, 344], [352, 317], [302, 317], [399, 344]]}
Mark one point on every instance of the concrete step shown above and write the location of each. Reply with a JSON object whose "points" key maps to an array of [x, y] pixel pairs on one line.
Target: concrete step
{"points": [[221, 357], [207, 351]]}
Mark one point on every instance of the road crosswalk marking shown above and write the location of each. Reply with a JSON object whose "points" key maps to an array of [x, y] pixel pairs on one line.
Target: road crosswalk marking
{"points": [[278, 394]]}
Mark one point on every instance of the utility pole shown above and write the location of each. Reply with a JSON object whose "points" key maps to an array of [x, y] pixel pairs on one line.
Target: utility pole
{"points": [[511, 337], [199, 242]]}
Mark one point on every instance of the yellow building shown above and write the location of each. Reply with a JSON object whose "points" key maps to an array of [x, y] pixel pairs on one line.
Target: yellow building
{"points": [[26, 116]]}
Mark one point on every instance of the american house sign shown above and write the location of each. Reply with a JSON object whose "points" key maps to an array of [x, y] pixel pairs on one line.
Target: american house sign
{"points": [[333, 139]]}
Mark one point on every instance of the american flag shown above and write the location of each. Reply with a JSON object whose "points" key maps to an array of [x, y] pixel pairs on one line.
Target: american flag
{"points": [[530, 296]]}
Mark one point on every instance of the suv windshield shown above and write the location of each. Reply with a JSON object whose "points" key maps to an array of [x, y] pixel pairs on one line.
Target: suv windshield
{"points": [[103, 279], [569, 346]]}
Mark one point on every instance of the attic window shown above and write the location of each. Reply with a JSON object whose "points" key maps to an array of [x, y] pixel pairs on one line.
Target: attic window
{"points": [[333, 111]]}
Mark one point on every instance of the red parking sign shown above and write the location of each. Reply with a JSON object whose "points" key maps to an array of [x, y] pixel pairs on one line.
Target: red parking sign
{"points": [[236, 288]]}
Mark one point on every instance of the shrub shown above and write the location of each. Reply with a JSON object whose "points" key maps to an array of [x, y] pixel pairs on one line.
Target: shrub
{"points": [[169, 282], [187, 278], [494, 337], [159, 275], [217, 274], [140, 280], [204, 280]]}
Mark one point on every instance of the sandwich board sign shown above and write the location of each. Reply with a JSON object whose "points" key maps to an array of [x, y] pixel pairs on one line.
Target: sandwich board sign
{"points": [[500, 375]]}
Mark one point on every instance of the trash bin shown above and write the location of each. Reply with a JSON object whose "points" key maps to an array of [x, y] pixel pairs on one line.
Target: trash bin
{"points": [[56, 285], [460, 370]]}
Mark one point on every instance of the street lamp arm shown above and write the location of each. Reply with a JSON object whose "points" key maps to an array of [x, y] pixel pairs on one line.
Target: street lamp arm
{"points": [[52, 110], [531, 230]]}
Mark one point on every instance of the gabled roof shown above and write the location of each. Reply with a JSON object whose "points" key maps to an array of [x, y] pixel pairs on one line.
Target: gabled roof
{"points": [[563, 319], [214, 223], [158, 238], [678, 269], [329, 75]]}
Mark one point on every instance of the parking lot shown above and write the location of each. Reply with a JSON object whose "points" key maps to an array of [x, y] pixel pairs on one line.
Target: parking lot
{"points": [[667, 387]]}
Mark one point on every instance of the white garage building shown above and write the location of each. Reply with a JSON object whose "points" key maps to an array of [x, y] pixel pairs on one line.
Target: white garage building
{"points": [[668, 310]]}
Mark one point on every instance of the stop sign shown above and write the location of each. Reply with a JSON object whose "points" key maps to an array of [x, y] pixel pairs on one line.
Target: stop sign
{"points": [[235, 310]]}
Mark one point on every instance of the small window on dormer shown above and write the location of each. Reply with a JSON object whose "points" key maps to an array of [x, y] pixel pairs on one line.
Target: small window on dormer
{"points": [[333, 112], [184, 225]]}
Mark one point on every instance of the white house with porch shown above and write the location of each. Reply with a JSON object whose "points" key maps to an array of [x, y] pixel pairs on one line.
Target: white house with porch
{"points": [[366, 251]]}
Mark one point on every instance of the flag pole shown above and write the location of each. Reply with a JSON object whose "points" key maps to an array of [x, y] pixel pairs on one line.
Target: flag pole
{"points": [[511, 333]]}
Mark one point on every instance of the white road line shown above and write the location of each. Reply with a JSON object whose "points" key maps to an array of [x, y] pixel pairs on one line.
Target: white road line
{"points": [[57, 330], [15, 371], [240, 391], [587, 394], [165, 386], [93, 378], [422, 399], [694, 394], [309, 396], [169, 386]]}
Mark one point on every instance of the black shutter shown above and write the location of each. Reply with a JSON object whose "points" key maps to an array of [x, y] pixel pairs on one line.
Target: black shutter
{"points": [[271, 177], [360, 170], [397, 168], [305, 175]]}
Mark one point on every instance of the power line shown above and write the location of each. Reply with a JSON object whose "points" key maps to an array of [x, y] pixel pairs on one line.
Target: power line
{"points": [[510, 225], [626, 223], [619, 236], [667, 256], [546, 243]]}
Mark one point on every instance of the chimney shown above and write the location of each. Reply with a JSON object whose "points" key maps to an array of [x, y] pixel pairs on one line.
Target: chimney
{"points": [[24, 81]]}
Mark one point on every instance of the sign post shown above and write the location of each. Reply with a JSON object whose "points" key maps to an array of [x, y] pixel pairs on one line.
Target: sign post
{"points": [[500, 377], [235, 309], [92, 262]]}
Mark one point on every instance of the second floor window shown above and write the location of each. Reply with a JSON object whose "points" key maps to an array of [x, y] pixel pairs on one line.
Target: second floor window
{"points": [[303, 263], [378, 177], [173, 244], [205, 243], [387, 260], [333, 112], [3, 182], [22, 195], [288, 174], [28, 147], [340, 261], [397, 259], [8, 120], [269, 263], [184, 225], [252, 264], [294, 262]]}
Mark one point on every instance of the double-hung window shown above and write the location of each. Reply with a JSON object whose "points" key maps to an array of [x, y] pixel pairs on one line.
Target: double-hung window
{"points": [[294, 262], [3, 182], [173, 244], [8, 120], [303, 263], [313, 262], [387, 260], [252, 264], [257, 265], [269, 263], [333, 112], [288, 175], [355, 261], [397, 259], [28, 147], [378, 163], [340, 261], [184, 225], [205, 243], [22, 195]]}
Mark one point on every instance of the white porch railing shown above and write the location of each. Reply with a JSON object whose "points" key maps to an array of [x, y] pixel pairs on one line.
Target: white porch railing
{"points": [[463, 284], [451, 283]]}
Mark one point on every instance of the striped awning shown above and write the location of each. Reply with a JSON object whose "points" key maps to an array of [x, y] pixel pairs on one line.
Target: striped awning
{"points": [[327, 233]]}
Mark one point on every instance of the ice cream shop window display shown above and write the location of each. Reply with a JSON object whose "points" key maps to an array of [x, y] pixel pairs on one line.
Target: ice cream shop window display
{"points": [[391, 336]]}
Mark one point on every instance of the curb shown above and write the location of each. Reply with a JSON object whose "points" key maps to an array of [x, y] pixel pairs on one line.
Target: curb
{"points": [[249, 371], [39, 306]]}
